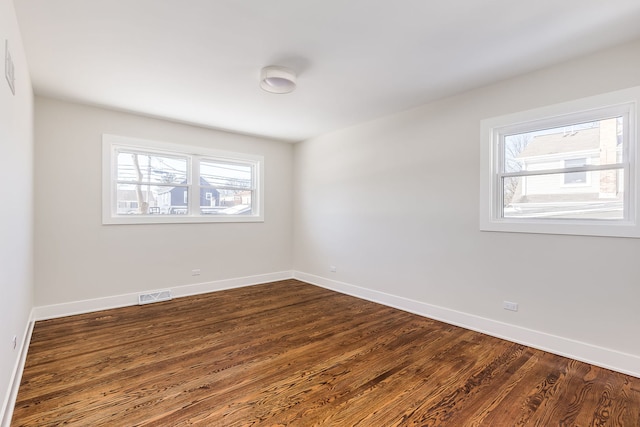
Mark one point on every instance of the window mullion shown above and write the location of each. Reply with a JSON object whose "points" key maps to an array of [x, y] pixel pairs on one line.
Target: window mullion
{"points": [[194, 187], [586, 168]]}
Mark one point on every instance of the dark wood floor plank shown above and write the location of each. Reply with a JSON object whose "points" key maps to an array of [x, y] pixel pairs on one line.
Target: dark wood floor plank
{"points": [[156, 349], [332, 381], [399, 376], [300, 360], [288, 353]]}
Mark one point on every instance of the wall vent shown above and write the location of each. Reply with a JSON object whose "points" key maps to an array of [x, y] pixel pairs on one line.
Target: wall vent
{"points": [[154, 297]]}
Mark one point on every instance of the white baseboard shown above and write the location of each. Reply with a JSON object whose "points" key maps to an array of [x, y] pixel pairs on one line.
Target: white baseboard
{"points": [[604, 357], [116, 301], [6, 411]]}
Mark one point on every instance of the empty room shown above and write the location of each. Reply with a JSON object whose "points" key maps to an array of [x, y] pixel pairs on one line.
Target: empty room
{"points": [[305, 213]]}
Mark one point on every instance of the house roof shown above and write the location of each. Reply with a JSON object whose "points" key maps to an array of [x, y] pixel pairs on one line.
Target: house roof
{"points": [[557, 143]]}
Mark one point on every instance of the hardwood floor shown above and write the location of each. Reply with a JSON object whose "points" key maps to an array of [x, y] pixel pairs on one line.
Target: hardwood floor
{"points": [[288, 353]]}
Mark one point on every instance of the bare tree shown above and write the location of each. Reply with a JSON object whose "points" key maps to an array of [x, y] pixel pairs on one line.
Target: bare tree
{"points": [[143, 206], [514, 145]]}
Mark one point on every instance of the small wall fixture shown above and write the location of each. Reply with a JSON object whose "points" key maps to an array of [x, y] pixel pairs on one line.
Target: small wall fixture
{"points": [[277, 79]]}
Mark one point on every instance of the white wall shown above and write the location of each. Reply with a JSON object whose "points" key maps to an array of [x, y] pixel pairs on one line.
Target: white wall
{"points": [[16, 213], [393, 205], [77, 258]]}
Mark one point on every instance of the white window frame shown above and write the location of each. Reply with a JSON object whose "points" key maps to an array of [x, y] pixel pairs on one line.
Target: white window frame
{"points": [[493, 131], [111, 143]]}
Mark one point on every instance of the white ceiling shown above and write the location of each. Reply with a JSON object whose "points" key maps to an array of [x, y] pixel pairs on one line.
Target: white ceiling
{"points": [[198, 61]]}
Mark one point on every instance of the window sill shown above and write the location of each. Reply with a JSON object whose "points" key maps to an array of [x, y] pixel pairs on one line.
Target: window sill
{"points": [[568, 227], [178, 219]]}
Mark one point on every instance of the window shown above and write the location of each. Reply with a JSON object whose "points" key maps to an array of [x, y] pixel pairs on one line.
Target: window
{"points": [[153, 182], [566, 169], [575, 177]]}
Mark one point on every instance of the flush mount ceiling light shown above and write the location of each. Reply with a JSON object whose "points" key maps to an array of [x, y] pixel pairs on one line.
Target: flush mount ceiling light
{"points": [[277, 79]]}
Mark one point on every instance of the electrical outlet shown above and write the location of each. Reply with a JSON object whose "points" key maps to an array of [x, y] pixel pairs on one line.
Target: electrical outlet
{"points": [[511, 306], [332, 268], [195, 272]]}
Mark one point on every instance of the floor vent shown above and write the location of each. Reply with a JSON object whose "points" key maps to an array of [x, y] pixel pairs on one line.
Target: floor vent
{"points": [[154, 297]]}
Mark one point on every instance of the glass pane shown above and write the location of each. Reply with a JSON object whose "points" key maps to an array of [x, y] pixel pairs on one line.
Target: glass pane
{"points": [[151, 200], [575, 177], [151, 168], [225, 202], [599, 195], [221, 174], [593, 143]]}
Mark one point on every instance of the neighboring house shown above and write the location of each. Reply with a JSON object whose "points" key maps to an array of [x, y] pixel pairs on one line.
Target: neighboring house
{"points": [[209, 197], [172, 200], [236, 203], [128, 202], [590, 146], [236, 198]]}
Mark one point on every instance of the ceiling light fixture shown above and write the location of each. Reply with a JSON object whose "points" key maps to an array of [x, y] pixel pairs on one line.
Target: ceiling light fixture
{"points": [[276, 79]]}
